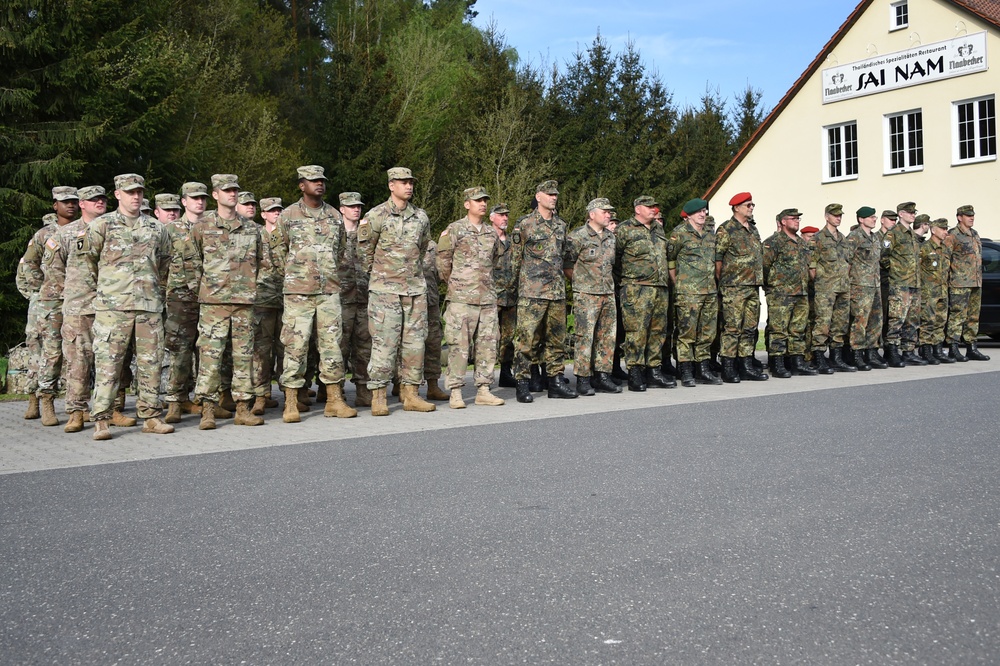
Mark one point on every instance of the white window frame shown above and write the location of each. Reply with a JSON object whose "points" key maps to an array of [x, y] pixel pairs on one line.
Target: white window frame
{"points": [[956, 148], [843, 146], [907, 115], [894, 23]]}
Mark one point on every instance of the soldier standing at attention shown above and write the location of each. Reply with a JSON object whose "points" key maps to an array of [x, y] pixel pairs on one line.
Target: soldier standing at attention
{"points": [[392, 239], [739, 269], [588, 263], [466, 253], [309, 245], [935, 265], [901, 258], [28, 279], [227, 254], [130, 254], [691, 262], [786, 285], [965, 286], [246, 205], [864, 250], [435, 332], [266, 313], [538, 243], [829, 270], [356, 341], [506, 286]]}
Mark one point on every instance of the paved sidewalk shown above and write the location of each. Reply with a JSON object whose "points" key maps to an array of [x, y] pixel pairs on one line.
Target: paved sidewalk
{"points": [[28, 446]]}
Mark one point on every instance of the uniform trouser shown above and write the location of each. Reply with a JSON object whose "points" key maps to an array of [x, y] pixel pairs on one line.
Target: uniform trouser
{"points": [[594, 332], [50, 319], [33, 342], [964, 304], [884, 297], [266, 326], [398, 326], [78, 360], [740, 318], [933, 314], [644, 314], [697, 317], [904, 317], [471, 328], [866, 316], [217, 326], [180, 331], [507, 317], [304, 316], [787, 319], [356, 340], [832, 311], [435, 335], [537, 317], [113, 331]]}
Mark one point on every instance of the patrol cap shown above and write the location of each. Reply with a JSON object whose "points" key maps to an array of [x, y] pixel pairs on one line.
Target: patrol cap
{"points": [[967, 209], [194, 189], [614, 216], [834, 209], [145, 207], [475, 193], [167, 201], [351, 199], [225, 181], [868, 211], [808, 230], [940, 223], [600, 203], [548, 187], [49, 218], [246, 197], [740, 198], [500, 209], [129, 181], [64, 193], [311, 172], [922, 219], [399, 173], [693, 206], [270, 203], [91, 192], [645, 200], [890, 214], [908, 206], [788, 212]]}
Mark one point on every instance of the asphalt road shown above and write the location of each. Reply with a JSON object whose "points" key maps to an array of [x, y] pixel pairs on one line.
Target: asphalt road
{"points": [[851, 525]]}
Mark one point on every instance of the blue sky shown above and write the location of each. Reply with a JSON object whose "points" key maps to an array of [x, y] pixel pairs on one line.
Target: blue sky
{"points": [[725, 44]]}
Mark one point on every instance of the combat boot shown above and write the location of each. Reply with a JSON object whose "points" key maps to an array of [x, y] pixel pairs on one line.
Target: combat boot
{"points": [[972, 353], [749, 370], [927, 353], [656, 379], [155, 426], [335, 403], [778, 368], [703, 373], [48, 408], [940, 354], [207, 415], [75, 423], [557, 389], [244, 417], [259, 405], [822, 367], [303, 398], [861, 362], [524, 391], [32, 412], [637, 378], [486, 399], [434, 391], [874, 359], [226, 401], [269, 402], [320, 393], [291, 412], [395, 389], [188, 407], [892, 357], [801, 367], [412, 402], [837, 361], [537, 383], [173, 412], [119, 420], [604, 384], [456, 401], [730, 374], [101, 431], [507, 376], [362, 395], [379, 405], [956, 353], [686, 369], [910, 358], [618, 375], [583, 386]]}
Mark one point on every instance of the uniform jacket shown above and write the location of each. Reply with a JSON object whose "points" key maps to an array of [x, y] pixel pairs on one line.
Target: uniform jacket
{"points": [[641, 253], [741, 254], [392, 243], [131, 258], [465, 260]]}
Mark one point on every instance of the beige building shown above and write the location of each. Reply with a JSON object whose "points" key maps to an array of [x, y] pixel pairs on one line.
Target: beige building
{"points": [[898, 106]]}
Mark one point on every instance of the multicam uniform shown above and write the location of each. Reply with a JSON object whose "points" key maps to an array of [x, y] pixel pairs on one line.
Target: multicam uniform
{"points": [[863, 254], [591, 256], [356, 340], [641, 255], [829, 257], [43, 289], [965, 286], [691, 255], [901, 258], [267, 311], [741, 253], [786, 285], [506, 285], [180, 327]]}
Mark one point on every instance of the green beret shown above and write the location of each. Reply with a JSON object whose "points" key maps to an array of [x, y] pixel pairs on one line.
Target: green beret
{"points": [[694, 205], [866, 211]]}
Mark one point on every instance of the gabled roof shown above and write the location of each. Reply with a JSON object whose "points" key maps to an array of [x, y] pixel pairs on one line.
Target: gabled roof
{"points": [[987, 10]]}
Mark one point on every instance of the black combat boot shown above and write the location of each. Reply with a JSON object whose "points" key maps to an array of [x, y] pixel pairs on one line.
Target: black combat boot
{"points": [[941, 355], [558, 389], [850, 356], [583, 386], [874, 359], [973, 354], [637, 378], [861, 361], [956, 353], [507, 376], [910, 358], [618, 375], [800, 366], [777, 363], [927, 353], [524, 391], [821, 365], [703, 373], [749, 370], [656, 379], [837, 361], [537, 383], [730, 373], [603, 383], [892, 357], [686, 370]]}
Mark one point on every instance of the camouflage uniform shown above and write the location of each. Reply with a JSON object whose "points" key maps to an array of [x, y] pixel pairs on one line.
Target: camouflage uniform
{"points": [[965, 286], [392, 243], [42, 317], [641, 257], [863, 254], [356, 340], [935, 262], [901, 258], [786, 286], [506, 286], [435, 332], [691, 255], [591, 256], [465, 260], [829, 257], [180, 327], [267, 315], [741, 253]]}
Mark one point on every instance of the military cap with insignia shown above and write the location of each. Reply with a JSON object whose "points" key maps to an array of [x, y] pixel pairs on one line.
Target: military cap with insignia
{"points": [[311, 172], [270, 203], [64, 193], [167, 201], [645, 200], [400, 173], [908, 206], [91, 192], [967, 209], [129, 181], [351, 199], [475, 194], [245, 198], [834, 209], [225, 181], [500, 208], [548, 187], [194, 189]]}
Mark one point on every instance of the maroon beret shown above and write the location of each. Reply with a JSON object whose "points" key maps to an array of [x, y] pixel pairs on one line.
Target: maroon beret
{"points": [[808, 230], [742, 197]]}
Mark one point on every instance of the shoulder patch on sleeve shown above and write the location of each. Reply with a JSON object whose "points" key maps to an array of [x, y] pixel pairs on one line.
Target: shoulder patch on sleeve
{"points": [[364, 230], [51, 243]]}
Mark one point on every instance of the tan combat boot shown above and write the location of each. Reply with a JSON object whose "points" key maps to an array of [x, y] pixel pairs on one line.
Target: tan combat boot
{"points": [[362, 395], [226, 402], [335, 405], [32, 411], [434, 391], [412, 402], [188, 407], [244, 417], [220, 411], [270, 403], [174, 411], [101, 430], [291, 413], [258, 406], [48, 407], [75, 423], [119, 420], [456, 401], [379, 406], [207, 415], [485, 398], [155, 426]]}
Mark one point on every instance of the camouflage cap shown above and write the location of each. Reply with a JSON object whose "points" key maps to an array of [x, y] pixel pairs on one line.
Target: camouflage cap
{"points": [[91, 192], [129, 181], [834, 209], [270, 203], [890, 214], [788, 212], [548, 187], [501, 209], [694, 205], [614, 216], [921, 220], [225, 181], [868, 211], [311, 172], [940, 223], [908, 206], [399, 173], [351, 199], [145, 207], [64, 193], [967, 209], [194, 189], [809, 230], [475, 194], [600, 203], [645, 200], [167, 201], [246, 197], [49, 218]]}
